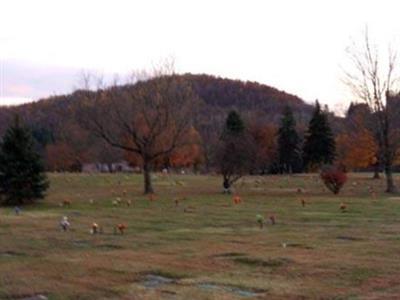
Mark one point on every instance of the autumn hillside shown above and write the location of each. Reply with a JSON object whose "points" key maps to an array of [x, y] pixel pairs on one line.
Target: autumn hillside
{"points": [[57, 120], [218, 94], [250, 97]]}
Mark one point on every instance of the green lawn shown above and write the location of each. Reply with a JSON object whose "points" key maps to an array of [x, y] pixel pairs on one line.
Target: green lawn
{"points": [[206, 247]]}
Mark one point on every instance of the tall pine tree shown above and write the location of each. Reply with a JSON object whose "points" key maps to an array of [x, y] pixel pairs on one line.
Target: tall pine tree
{"points": [[319, 147], [288, 143], [22, 177]]}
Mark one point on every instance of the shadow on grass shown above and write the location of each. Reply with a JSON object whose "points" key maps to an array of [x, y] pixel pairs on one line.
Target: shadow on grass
{"points": [[256, 262]]}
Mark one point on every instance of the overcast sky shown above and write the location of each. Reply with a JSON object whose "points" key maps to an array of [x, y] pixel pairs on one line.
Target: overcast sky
{"points": [[296, 46]]}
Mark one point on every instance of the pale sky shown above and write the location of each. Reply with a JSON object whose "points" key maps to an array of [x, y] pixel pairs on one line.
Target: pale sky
{"points": [[296, 46]]}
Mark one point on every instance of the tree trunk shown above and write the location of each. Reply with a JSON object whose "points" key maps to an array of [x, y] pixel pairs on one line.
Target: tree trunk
{"points": [[148, 186], [226, 185], [207, 163], [390, 187]]}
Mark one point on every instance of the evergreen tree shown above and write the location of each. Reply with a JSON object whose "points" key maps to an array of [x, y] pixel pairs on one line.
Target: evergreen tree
{"points": [[22, 177], [234, 124], [319, 146], [288, 141]]}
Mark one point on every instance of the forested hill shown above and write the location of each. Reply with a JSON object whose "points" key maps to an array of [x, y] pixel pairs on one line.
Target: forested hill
{"points": [[245, 96], [218, 93], [55, 121]]}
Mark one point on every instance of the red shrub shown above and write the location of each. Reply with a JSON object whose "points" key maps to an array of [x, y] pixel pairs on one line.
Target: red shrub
{"points": [[334, 178]]}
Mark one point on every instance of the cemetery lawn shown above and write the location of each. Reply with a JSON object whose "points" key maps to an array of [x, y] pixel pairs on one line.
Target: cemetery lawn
{"points": [[193, 242]]}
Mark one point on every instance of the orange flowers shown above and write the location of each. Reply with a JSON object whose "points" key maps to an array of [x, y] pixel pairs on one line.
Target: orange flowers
{"points": [[66, 203], [237, 199], [121, 228]]}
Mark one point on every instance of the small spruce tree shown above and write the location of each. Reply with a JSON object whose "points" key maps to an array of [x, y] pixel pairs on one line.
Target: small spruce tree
{"points": [[319, 146], [22, 177], [288, 143], [234, 124]]}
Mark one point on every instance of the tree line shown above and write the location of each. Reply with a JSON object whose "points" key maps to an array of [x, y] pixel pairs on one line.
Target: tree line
{"points": [[163, 120], [66, 144], [236, 154], [160, 123]]}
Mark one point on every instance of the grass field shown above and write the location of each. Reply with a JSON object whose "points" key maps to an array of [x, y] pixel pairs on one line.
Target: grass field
{"points": [[206, 247]]}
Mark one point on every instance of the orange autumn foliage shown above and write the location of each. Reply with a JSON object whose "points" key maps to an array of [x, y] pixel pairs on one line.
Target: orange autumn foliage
{"points": [[356, 149], [265, 139], [187, 155], [61, 157]]}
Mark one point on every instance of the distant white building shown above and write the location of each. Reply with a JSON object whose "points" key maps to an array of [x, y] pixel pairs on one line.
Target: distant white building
{"points": [[122, 166]]}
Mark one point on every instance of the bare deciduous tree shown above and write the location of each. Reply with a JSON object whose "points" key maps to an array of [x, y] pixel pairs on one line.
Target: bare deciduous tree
{"points": [[235, 157], [235, 151], [150, 118], [373, 80]]}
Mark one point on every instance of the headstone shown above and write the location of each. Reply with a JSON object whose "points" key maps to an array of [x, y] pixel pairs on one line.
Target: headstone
{"points": [[17, 210], [65, 223]]}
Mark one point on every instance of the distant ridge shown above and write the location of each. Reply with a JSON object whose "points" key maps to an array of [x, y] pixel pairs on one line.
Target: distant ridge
{"points": [[57, 119]]}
